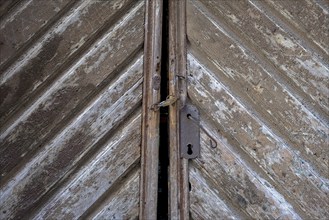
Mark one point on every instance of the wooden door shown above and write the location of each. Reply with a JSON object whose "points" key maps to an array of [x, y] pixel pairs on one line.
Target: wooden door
{"points": [[258, 73], [79, 132], [71, 90]]}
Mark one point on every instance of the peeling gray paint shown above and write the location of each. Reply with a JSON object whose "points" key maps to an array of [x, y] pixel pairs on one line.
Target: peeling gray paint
{"points": [[70, 109], [262, 89]]}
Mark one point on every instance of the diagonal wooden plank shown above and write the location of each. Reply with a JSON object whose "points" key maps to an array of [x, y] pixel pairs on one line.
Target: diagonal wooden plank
{"points": [[292, 64], [251, 82], [78, 85], [123, 203], [245, 189], [71, 138], [205, 200], [18, 28], [99, 175], [280, 164], [49, 56], [82, 136], [307, 19]]}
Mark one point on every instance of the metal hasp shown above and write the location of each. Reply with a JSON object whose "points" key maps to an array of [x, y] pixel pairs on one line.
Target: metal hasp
{"points": [[189, 132]]}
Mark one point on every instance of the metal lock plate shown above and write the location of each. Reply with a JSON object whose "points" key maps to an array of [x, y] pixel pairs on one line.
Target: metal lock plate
{"points": [[189, 132]]}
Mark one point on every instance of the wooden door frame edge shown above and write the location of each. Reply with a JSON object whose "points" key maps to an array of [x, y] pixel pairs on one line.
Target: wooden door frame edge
{"points": [[150, 118], [178, 167]]}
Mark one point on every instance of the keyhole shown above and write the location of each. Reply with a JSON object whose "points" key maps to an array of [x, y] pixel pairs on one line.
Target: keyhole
{"points": [[189, 149]]}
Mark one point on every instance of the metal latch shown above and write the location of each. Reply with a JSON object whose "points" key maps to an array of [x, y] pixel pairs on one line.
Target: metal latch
{"points": [[189, 132], [169, 101]]}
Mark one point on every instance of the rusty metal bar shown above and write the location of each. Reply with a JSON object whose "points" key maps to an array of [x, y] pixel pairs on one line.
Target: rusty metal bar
{"points": [[178, 170], [150, 121]]}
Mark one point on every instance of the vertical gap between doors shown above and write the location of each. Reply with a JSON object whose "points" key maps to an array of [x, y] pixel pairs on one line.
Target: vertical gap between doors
{"points": [[162, 208]]}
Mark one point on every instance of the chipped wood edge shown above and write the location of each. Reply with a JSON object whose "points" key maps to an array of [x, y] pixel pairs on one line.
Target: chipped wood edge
{"points": [[150, 118], [178, 167]]}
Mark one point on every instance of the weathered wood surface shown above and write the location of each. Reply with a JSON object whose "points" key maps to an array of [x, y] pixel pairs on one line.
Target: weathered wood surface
{"points": [[123, 204], [242, 73], [46, 59], [205, 201], [27, 21], [178, 167], [150, 116], [307, 18], [262, 89], [77, 140], [241, 188], [7, 6], [282, 165], [83, 135], [281, 53], [101, 174], [79, 84]]}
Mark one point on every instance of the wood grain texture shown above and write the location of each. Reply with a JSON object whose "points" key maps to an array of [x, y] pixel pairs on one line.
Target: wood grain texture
{"points": [[283, 55], [151, 117], [50, 55], [178, 167], [282, 166], [7, 6], [260, 78], [124, 203], [311, 18], [205, 201], [260, 91], [25, 22], [242, 188], [81, 136], [78, 85], [99, 175], [71, 98]]}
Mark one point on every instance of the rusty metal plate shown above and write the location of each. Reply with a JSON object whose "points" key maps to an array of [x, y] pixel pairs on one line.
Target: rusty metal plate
{"points": [[189, 132]]}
